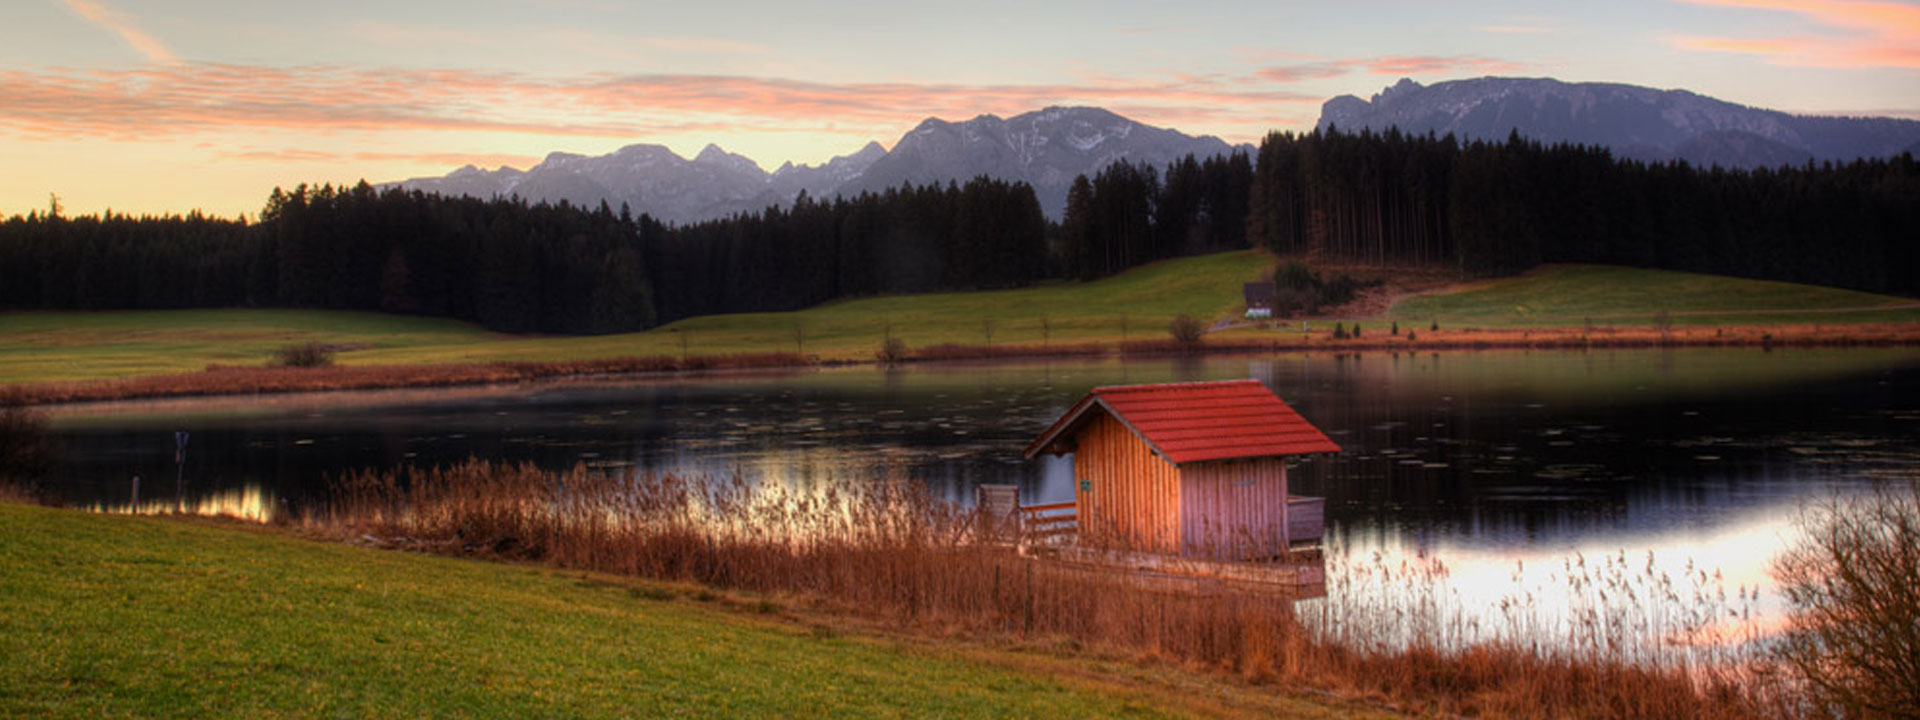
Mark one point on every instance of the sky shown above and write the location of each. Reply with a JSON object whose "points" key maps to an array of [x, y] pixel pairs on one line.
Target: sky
{"points": [[166, 106]]}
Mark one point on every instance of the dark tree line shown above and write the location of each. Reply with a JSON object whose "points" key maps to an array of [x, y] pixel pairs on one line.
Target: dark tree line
{"points": [[504, 264], [518, 267], [1489, 207], [984, 234], [117, 261], [1502, 207], [1129, 214]]}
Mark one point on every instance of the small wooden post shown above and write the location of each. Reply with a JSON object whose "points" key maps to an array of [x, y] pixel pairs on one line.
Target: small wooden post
{"points": [[180, 471], [135, 505], [998, 508]]}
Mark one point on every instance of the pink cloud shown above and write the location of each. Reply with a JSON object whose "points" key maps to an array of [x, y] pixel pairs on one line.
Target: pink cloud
{"points": [[1308, 71], [1388, 65], [197, 98], [694, 44], [1514, 29], [295, 155], [1868, 34], [1431, 65], [114, 22]]}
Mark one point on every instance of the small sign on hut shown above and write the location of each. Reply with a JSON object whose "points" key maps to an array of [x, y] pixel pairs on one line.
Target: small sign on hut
{"points": [[1193, 469]]}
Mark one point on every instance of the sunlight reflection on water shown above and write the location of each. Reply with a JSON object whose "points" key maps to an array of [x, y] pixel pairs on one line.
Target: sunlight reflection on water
{"points": [[1507, 468]]}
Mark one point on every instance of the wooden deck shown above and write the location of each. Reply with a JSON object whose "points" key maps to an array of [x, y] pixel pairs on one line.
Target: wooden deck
{"points": [[1050, 532], [1301, 575]]}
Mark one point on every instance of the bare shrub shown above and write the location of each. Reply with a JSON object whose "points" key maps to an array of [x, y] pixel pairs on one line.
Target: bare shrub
{"points": [[1186, 330], [304, 355], [893, 351], [1854, 581], [1293, 302]]}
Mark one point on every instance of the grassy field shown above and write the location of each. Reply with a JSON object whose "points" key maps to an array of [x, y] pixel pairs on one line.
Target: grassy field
{"points": [[1570, 295], [1137, 305], [135, 617], [47, 346], [88, 345]]}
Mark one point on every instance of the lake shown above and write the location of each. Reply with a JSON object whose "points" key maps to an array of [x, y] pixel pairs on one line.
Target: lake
{"points": [[1508, 467]]}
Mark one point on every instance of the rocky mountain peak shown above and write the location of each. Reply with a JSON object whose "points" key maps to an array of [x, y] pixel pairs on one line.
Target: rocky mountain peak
{"points": [[1045, 148], [1635, 122]]}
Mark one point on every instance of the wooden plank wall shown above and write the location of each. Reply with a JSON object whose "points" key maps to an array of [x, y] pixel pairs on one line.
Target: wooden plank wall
{"points": [[1306, 519], [1234, 509], [1133, 503]]}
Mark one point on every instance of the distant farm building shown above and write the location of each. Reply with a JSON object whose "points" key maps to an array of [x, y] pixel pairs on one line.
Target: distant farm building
{"points": [[1259, 297], [1194, 469]]}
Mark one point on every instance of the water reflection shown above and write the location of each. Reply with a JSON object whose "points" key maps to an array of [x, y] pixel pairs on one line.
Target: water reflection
{"points": [[1488, 462], [250, 502]]}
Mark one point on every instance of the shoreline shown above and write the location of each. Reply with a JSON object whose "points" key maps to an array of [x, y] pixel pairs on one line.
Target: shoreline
{"points": [[238, 380]]}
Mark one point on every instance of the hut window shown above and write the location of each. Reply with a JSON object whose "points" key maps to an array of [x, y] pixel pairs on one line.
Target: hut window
{"points": [[1086, 484]]}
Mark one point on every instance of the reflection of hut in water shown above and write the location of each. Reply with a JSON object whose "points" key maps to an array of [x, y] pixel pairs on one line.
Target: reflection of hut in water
{"points": [[1191, 469]]}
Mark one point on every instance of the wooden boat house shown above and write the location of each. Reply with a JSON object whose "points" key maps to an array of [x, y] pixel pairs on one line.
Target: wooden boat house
{"points": [[1194, 469]]}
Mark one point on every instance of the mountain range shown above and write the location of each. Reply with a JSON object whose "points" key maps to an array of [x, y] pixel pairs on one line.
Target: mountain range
{"points": [[1049, 148], [1634, 122], [1046, 149]]}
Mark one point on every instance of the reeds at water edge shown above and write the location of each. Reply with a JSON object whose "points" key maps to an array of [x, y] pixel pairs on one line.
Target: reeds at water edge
{"points": [[891, 553]]}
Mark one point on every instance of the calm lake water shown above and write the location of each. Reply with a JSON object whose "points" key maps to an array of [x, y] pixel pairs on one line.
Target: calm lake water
{"points": [[1508, 467]]}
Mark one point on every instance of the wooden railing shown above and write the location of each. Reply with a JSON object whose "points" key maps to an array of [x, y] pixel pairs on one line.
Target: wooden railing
{"points": [[1045, 523]]}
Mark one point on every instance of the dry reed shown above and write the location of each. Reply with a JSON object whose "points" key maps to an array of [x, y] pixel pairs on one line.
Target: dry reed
{"points": [[893, 554]]}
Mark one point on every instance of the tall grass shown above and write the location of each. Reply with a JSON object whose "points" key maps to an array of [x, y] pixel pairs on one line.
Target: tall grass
{"points": [[1609, 608], [889, 552], [893, 554]]}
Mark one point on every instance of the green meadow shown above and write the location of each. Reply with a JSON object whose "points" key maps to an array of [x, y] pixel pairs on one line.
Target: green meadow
{"points": [[1570, 295], [37, 346], [113, 616], [46, 346], [1135, 305]]}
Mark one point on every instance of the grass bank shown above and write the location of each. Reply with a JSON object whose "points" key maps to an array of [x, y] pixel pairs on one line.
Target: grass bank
{"points": [[141, 617]]}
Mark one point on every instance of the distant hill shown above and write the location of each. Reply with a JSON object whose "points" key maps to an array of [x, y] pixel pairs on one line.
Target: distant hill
{"points": [[1634, 122], [1045, 149]]}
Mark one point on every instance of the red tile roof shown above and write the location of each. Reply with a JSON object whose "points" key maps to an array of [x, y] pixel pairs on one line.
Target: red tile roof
{"points": [[1195, 422]]}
